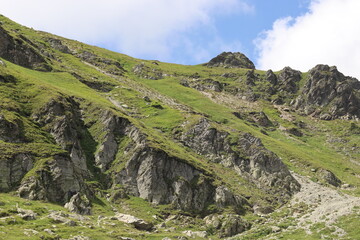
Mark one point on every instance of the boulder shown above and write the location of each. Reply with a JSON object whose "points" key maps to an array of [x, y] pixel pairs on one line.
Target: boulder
{"points": [[227, 225], [329, 177], [136, 222], [79, 204]]}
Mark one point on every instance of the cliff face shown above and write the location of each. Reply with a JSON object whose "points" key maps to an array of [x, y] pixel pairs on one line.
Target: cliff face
{"points": [[81, 125]]}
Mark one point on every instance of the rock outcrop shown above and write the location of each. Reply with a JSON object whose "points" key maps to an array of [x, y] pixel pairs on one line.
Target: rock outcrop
{"points": [[21, 51], [246, 155], [328, 94], [287, 80], [231, 60]]}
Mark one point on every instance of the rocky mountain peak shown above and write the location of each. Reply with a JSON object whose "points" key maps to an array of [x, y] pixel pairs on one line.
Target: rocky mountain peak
{"points": [[231, 60], [327, 88]]}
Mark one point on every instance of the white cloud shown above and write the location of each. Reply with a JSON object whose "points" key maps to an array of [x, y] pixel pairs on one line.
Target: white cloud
{"points": [[329, 34], [136, 27]]}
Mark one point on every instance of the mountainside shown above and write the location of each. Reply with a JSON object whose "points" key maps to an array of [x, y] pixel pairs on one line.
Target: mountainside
{"points": [[114, 147]]}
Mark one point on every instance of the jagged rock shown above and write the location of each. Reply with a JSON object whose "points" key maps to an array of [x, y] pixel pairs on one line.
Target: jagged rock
{"points": [[161, 179], [10, 130], [58, 45], [271, 77], [224, 197], [62, 117], [208, 84], [145, 71], [227, 225], [250, 78], [14, 169], [114, 127], [288, 79], [329, 177], [136, 222], [107, 65], [231, 60], [203, 84], [327, 88], [21, 51], [79, 204], [260, 118], [260, 164], [55, 181]]}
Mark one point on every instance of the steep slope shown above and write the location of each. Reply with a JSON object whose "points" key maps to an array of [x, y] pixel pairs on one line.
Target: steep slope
{"points": [[103, 133]]}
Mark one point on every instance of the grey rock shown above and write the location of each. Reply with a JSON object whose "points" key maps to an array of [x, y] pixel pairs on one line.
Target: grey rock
{"points": [[144, 71], [160, 179], [288, 79], [58, 45], [55, 181], [329, 177], [328, 94], [79, 204], [231, 60], [136, 222], [227, 225], [261, 165], [271, 77], [10, 130], [21, 51], [14, 169], [260, 118]]}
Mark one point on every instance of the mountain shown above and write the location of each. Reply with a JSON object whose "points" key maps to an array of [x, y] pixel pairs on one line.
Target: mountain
{"points": [[99, 145]]}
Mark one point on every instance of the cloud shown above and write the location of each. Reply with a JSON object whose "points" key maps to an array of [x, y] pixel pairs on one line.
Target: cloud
{"points": [[137, 27], [328, 33]]}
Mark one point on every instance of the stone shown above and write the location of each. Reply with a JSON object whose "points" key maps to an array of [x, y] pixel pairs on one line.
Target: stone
{"points": [[79, 204], [329, 177], [271, 77], [136, 222], [227, 225]]}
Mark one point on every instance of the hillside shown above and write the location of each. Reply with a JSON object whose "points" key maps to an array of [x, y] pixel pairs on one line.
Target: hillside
{"points": [[99, 145]]}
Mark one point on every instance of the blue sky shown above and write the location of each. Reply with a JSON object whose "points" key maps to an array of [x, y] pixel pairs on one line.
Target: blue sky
{"points": [[272, 33]]}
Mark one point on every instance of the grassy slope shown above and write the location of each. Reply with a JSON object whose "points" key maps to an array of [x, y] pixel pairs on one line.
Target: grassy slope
{"points": [[301, 154]]}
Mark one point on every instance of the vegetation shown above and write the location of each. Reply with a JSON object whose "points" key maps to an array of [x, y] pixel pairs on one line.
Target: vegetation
{"points": [[162, 100]]}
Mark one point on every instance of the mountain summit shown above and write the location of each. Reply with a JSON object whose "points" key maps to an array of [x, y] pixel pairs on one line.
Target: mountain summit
{"points": [[114, 147]]}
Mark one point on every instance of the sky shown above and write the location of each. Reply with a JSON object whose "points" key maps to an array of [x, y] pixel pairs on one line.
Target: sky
{"points": [[272, 33]]}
